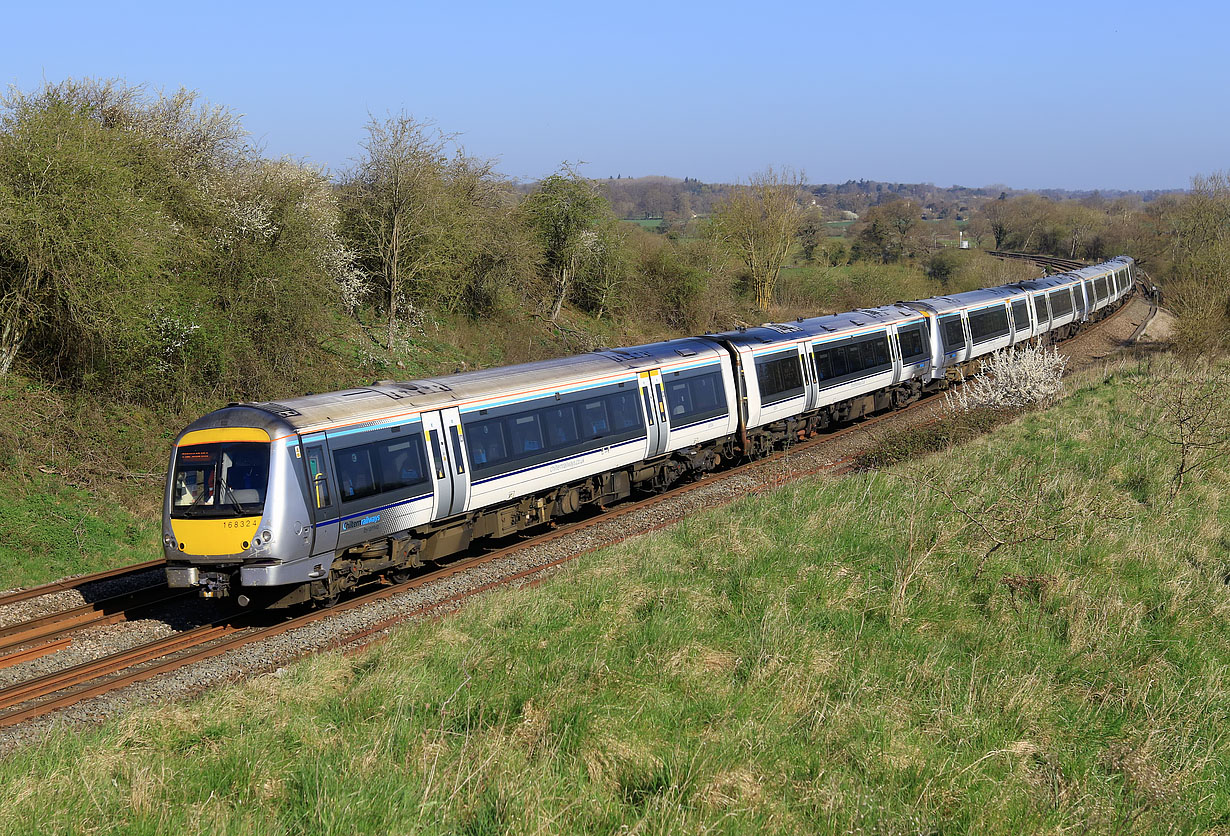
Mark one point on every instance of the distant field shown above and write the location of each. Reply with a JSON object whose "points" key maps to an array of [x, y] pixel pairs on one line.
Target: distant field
{"points": [[845, 655], [645, 223]]}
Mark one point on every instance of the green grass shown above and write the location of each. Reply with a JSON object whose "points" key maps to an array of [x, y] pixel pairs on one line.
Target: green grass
{"points": [[839, 656], [52, 531]]}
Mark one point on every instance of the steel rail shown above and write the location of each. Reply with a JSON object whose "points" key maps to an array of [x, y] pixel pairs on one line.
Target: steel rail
{"points": [[77, 582], [98, 613]]}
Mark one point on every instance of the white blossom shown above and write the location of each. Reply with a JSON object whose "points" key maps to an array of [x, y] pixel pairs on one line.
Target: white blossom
{"points": [[1011, 379]]}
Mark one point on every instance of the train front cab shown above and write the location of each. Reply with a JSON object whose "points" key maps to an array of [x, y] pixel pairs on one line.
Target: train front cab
{"points": [[235, 511], [215, 504]]}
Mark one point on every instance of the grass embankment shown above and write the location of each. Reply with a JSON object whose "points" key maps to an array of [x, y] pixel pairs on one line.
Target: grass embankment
{"points": [[840, 656]]}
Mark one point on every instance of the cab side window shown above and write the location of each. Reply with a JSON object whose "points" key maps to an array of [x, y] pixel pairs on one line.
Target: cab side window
{"points": [[316, 475]]}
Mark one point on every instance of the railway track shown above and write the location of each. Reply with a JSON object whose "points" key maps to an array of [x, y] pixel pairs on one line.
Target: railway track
{"points": [[1051, 263], [79, 582], [33, 698], [45, 634], [1153, 302]]}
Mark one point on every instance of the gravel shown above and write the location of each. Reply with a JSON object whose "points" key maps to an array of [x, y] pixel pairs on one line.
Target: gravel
{"points": [[273, 653], [68, 598]]}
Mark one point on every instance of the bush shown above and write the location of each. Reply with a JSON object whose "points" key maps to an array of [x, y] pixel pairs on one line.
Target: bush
{"points": [[1013, 379]]}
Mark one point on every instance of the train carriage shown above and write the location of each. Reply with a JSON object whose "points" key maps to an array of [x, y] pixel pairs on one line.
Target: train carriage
{"points": [[359, 470], [300, 499], [968, 326], [813, 372]]}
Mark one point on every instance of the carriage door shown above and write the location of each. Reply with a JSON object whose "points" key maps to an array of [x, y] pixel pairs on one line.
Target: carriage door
{"points": [[460, 470], [810, 384], [323, 497], [653, 398], [441, 464]]}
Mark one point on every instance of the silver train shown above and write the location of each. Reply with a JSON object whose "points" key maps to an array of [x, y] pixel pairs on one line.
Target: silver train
{"points": [[299, 500]]}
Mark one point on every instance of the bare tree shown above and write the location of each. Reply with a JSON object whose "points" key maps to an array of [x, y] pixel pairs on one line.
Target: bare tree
{"points": [[758, 222], [997, 217], [396, 197], [1081, 221], [1199, 291], [1187, 410]]}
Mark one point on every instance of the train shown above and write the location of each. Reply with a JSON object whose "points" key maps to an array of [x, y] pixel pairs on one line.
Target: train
{"points": [[281, 503]]}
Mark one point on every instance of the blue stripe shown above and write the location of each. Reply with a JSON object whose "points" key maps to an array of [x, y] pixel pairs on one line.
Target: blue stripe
{"points": [[373, 510], [375, 427], [553, 461], [866, 335], [702, 364]]}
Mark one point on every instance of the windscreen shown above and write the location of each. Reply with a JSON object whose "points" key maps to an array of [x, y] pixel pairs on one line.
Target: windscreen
{"points": [[226, 479]]}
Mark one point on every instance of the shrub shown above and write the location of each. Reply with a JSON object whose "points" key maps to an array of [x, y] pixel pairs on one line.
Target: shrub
{"points": [[1012, 379]]}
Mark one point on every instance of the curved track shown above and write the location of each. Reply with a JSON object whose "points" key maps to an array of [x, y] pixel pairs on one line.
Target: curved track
{"points": [[36, 697], [1051, 263]]}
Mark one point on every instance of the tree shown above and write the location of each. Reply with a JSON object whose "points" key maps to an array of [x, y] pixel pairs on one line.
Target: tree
{"points": [[146, 247], [977, 230], [884, 232], [812, 232], [1080, 223], [396, 200], [758, 222], [1027, 217], [1187, 411], [1199, 292], [77, 225], [565, 213], [996, 214]]}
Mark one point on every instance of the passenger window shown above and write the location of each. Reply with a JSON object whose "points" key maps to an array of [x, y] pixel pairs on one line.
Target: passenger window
{"points": [[780, 377], [561, 423], [1040, 308], [526, 435], [356, 478], [486, 443], [953, 333], [679, 398], [708, 393], [911, 343], [316, 473], [594, 420], [625, 412], [402, 462]]}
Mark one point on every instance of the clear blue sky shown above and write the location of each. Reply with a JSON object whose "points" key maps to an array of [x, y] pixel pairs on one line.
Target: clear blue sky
{"points": [[1030, 94]]}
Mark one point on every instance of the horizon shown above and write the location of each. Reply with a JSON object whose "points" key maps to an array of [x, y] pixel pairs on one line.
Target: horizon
{"points": [[895, 95]]}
